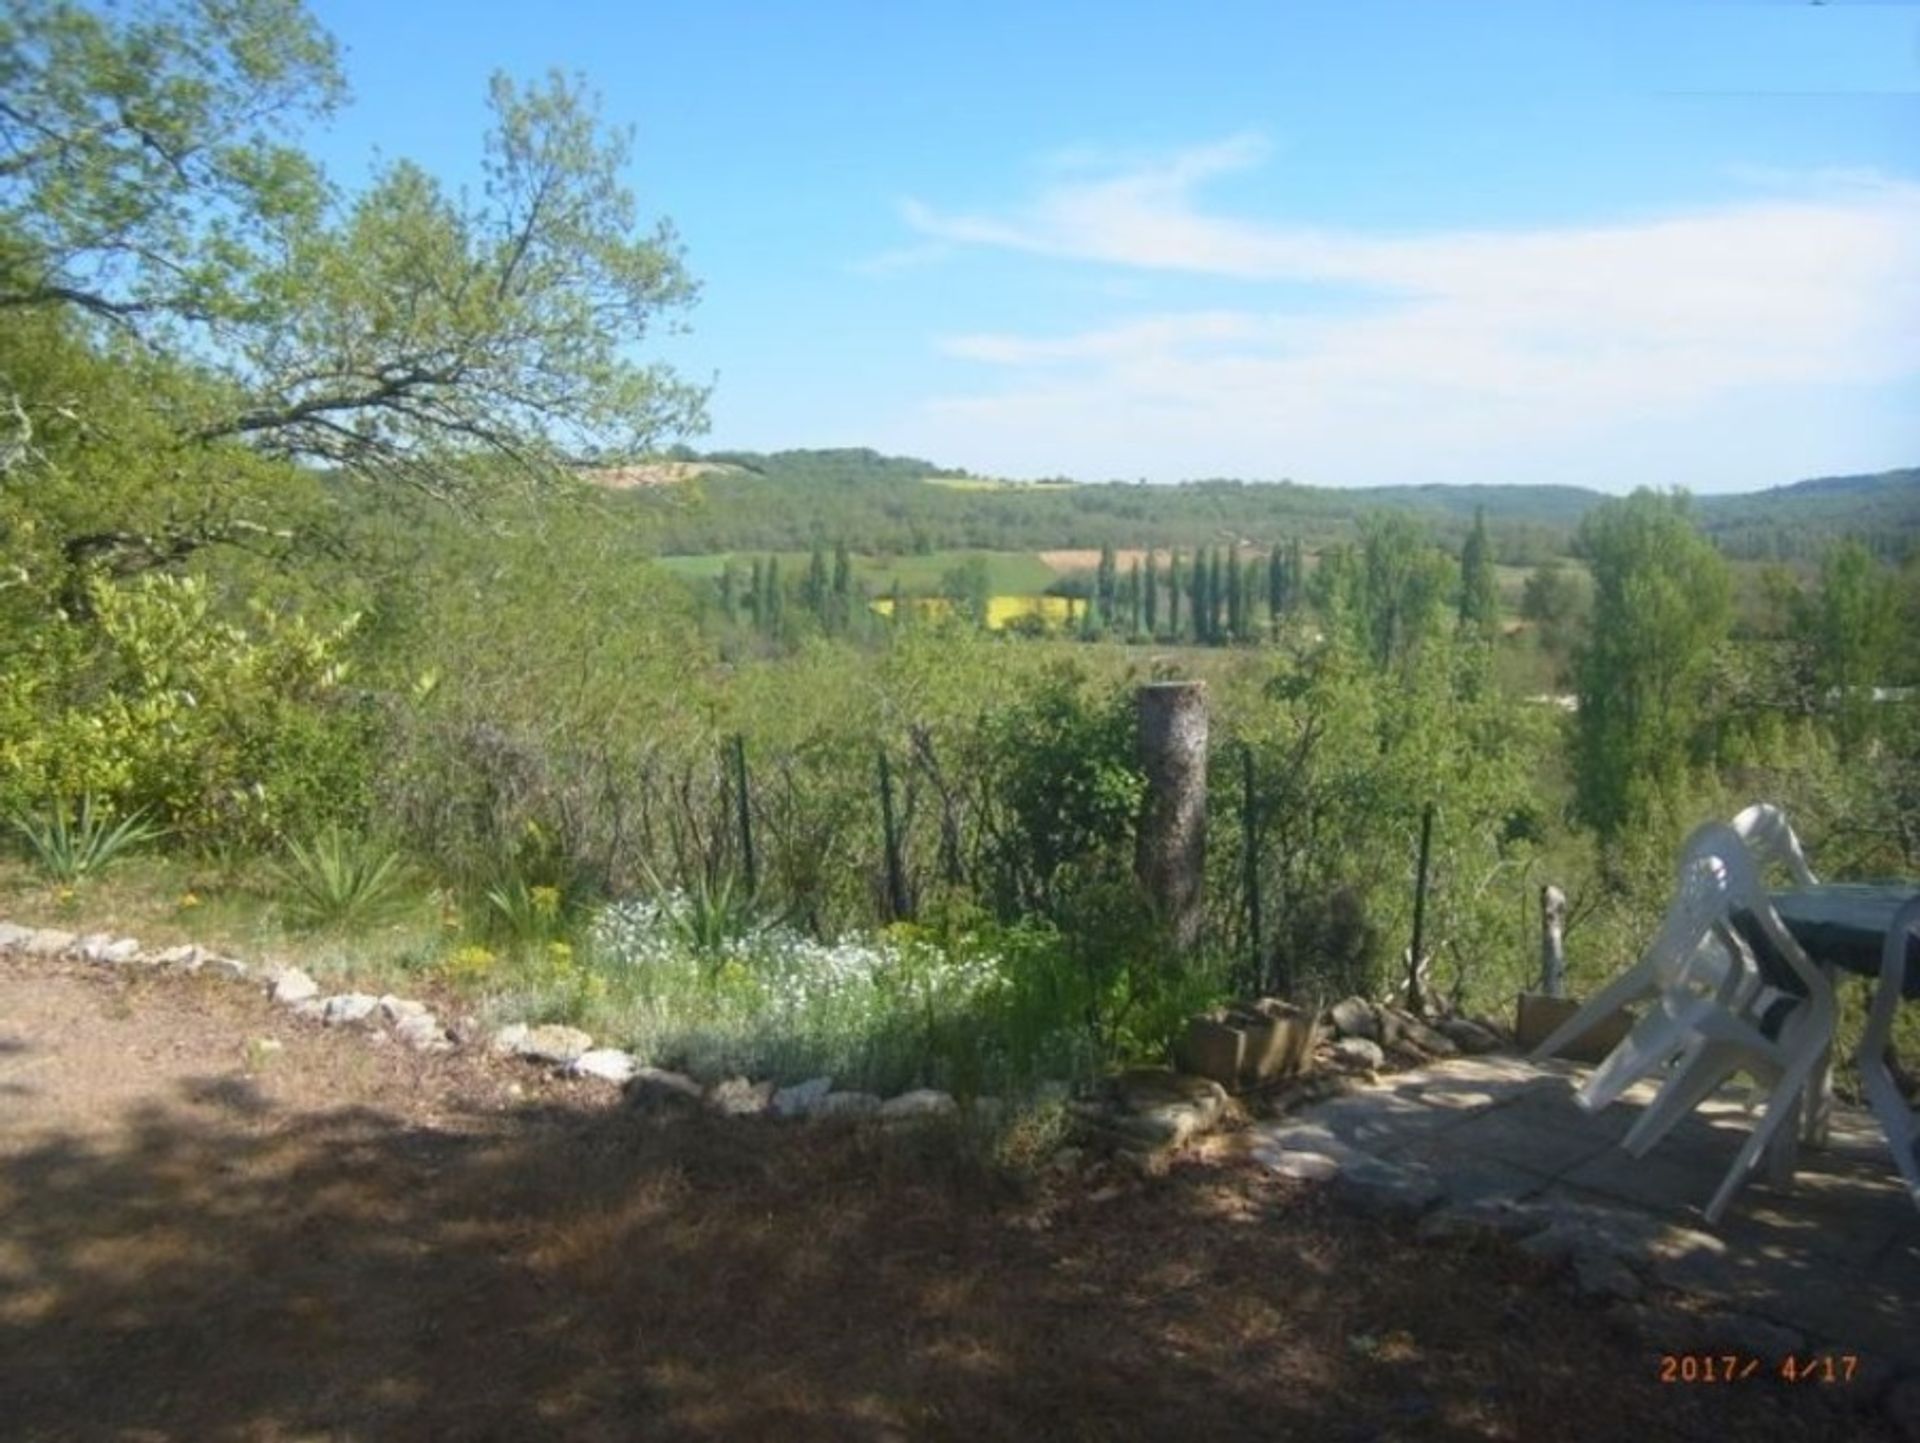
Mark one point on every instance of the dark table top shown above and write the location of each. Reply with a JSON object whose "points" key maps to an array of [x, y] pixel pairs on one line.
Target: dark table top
{"points": [[1845, 925]]}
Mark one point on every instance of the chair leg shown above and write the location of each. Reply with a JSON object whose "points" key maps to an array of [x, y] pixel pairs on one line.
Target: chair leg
{"points": [[1700, 1072], [1653, 1041], [1897, 1120], [1780, 1110]]}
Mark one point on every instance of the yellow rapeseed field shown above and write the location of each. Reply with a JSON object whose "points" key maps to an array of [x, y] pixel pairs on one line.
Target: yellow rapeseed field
{"points": [[1054, 610]]}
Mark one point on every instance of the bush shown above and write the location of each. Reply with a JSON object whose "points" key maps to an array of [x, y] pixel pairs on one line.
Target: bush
{"points": [[218, 731]]}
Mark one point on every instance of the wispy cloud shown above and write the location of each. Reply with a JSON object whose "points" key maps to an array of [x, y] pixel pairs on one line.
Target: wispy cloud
{"points": [[1455, 339]]}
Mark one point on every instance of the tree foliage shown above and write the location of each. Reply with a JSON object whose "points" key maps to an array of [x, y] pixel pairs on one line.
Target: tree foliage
{"points": [[1660, 615]]}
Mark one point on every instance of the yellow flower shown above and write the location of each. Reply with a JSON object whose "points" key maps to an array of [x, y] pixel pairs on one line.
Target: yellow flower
{"points": [[546, 901], [471, 962], [189, 900]]}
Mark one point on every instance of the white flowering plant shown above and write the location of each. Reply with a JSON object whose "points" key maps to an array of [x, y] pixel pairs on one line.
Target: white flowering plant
{"points": [[881, 1011]]}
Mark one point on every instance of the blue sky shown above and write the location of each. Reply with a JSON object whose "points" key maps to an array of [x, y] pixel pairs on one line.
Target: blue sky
{"points": [[1604, 244]]}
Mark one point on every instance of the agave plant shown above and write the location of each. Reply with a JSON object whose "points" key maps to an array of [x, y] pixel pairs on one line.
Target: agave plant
{"points": [[70, 846], [337, 880]]}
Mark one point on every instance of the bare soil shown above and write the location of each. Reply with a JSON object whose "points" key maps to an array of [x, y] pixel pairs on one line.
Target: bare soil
{"points": [[203, 1238]]}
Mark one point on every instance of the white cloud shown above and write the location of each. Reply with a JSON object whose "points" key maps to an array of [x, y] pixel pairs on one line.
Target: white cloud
{"points": [[1462, 344]]}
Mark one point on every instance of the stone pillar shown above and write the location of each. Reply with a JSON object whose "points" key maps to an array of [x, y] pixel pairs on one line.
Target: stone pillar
{"points": [[1170, 860]]}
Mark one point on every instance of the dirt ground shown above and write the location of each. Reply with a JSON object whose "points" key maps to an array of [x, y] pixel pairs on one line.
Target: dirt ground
{"points": [[203, 1238]]}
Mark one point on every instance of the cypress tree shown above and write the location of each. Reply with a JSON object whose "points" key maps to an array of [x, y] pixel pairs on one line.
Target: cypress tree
{"points": [[1176, 585], [775, 602], [1199, 595], [1136, 601], [1236, 601], [1296, 574], [815, 592], [1276, 587], [1216, 601], [757, 594], [1479, 596], [1151, 602]]}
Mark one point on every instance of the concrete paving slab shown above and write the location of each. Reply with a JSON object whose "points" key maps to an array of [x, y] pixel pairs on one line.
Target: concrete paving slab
{"points": [[1835, 1256]]}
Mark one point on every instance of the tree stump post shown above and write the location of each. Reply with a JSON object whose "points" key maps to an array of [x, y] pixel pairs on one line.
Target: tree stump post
{"points": [[1171, 851]]}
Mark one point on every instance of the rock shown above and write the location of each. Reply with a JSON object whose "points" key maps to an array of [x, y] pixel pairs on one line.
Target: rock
{"points": [[606, 1063], [289, 985], [507, 1040], [800, 1099], [308, 1009], [113, 952], [1399, 1028], [188, 957], [650, 1085], [1358, 1054], [346, 1007], [921, 1103], [12, 936], [1300, 1166], [1469, 1036], [227, 967], [1902, 1407], [48, 942], [423, 1033], [91, 946], [399, 1009], [552, 1042], [1599, 1275], [737, 1097], [1355, 1017], [847, 1104]]}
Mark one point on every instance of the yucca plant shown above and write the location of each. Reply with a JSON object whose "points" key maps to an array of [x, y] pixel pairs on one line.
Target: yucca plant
{"points": [[70, 846], [528, 915], [714, 910], [340, 881]]}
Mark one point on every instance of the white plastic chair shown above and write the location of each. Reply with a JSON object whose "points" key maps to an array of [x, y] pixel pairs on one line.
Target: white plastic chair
{"points": [[1698, 1069], [1721, 1027], [1679, 959], [1900, 1122], [1670, 964]]}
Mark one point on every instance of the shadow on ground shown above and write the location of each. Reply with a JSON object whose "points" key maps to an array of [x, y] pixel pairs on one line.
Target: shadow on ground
{"points": [[218, 1270]]}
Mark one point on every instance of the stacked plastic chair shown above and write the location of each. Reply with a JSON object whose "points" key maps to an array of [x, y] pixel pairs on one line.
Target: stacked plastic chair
{"points": [[1712, 997]]}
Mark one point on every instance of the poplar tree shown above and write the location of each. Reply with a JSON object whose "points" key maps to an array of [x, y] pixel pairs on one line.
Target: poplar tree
{"points": [[1152, 599]]}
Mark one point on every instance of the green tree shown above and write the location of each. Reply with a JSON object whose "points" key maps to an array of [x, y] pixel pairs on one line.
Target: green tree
{"points": [[153, 192], [1216, 597], [1846, 633], [1479, 596], [1661, 610], [1151, 599], [1403, 581], [969, 586], [1555, 600], [1176, 588]]}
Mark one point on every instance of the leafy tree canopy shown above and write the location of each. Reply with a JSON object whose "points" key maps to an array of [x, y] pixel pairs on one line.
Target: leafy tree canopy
{"points": [[152, 189]]}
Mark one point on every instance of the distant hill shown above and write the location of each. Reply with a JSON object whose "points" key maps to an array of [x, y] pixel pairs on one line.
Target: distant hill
{"points": [[874, 503], [1797, 521]]}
